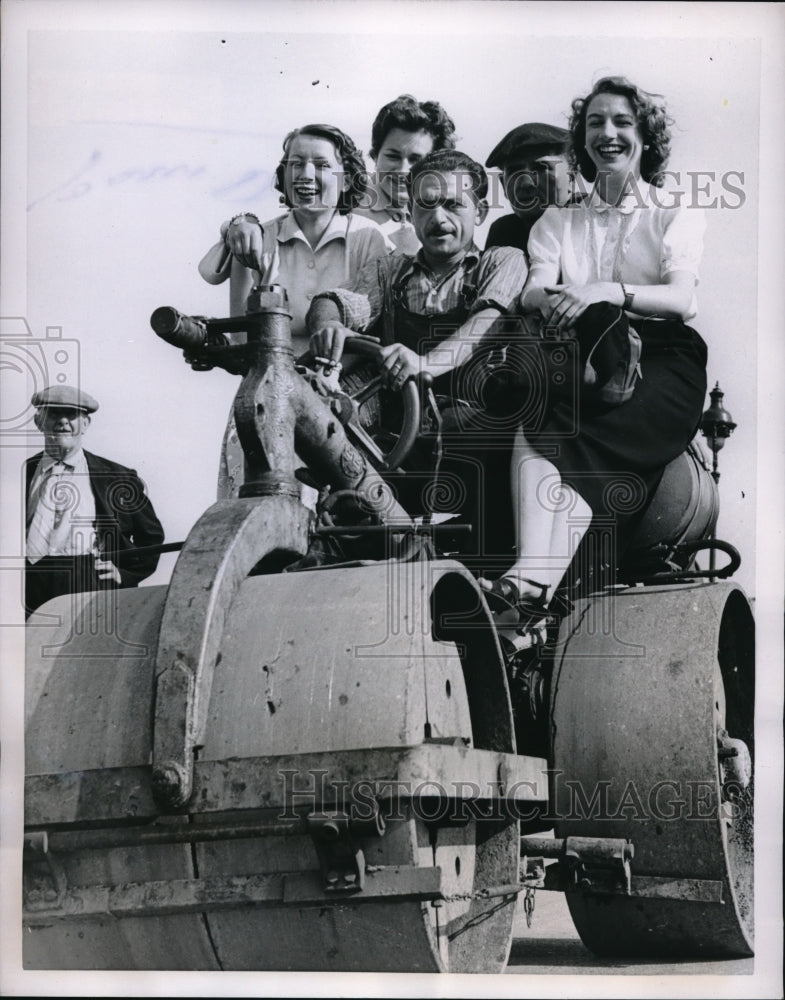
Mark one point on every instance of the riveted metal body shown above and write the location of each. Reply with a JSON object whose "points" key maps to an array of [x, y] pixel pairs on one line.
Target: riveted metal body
{"points": [[305, 718]]}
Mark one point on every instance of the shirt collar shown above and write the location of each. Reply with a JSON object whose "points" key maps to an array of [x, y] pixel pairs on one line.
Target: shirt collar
{"points": [[74, 461], [470, 258], [289, 230], [637, 196], [384, 211]]}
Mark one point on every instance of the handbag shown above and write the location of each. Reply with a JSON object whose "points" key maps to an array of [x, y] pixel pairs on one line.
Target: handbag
{"points": [[613, 364]]}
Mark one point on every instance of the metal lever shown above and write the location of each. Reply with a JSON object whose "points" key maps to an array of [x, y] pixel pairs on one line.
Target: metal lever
{"points": [[273, 406]]}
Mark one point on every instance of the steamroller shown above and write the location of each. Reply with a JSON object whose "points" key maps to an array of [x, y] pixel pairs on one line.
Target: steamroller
{"points": [[285, 763]]}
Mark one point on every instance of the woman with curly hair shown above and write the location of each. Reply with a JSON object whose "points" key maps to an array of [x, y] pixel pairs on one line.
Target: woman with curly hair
{"points": [[622, 258], [318, 244], [403, 132]]}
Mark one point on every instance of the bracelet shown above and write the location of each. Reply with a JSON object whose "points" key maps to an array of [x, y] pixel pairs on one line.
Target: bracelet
{"points": [[243, 215], [628, 297]]}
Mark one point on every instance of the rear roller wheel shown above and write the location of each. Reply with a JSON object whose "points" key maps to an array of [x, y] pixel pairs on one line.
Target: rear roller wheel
{"points": [[652, 740]]}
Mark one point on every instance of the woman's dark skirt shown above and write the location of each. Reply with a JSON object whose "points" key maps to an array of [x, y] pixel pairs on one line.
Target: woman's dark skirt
{"points": [[614, 457]]}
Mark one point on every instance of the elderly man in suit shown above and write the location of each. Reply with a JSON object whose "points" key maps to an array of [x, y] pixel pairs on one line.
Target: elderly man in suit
{"points": [[82, 510]]}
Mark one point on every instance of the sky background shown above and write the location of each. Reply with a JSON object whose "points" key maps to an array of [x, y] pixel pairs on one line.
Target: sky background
{"points": [[131, 130], [141, 143]]}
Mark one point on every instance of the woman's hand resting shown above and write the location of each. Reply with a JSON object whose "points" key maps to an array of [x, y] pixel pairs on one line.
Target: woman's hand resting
{"points": [[561, 305]]}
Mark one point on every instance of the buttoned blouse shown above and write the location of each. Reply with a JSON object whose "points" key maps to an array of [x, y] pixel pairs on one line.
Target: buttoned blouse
{"points": [[638, 242], [348, 243]]}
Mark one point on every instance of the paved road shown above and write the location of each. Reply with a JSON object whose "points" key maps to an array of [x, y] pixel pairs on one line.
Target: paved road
{"points": [[552, 947]]}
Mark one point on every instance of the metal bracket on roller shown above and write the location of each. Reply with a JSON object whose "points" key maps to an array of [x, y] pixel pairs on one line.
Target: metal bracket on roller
{"points": [[588, 863], [602, 866], [274, 408], [341, 861], [43, 882], [221, 550]]}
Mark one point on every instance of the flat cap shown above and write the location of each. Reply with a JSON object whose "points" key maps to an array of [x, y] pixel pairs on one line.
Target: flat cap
{"points": [[65, 396], [524, 137]]}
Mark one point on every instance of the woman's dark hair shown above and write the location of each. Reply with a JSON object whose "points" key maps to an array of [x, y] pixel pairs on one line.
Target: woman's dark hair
{"points": [[411, 115], [355, 173], [652, 119], [448, 161]]}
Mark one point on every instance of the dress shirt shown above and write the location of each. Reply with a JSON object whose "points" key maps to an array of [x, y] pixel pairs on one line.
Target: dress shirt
{"points": [[61, 498], [497, 276]]}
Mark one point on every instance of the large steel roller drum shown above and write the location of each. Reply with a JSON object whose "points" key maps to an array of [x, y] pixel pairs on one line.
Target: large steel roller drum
{"points": [[310, 663], [652, 732]]}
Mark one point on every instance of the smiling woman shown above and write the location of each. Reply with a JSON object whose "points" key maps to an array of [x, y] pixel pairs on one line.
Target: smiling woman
{"points": [[313, 176], [403, 132], [321, 178], [613, 270], [320, 242]]}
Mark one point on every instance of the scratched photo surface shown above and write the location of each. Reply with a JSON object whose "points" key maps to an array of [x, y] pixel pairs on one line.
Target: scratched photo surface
{"points": [[142, 134]]}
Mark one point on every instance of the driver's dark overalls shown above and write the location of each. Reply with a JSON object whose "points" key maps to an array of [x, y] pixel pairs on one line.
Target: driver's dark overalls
{"points": [[449, 405]]}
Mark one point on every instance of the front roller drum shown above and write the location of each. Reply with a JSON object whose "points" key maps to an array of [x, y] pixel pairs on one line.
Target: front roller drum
{"points": [[652, 741], [312, 665]]}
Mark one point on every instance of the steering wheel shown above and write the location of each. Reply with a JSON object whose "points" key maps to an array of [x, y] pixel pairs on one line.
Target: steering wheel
{"points": [[368, 347]]}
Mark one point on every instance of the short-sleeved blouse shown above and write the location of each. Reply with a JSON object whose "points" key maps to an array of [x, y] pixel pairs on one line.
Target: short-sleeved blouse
{"points": [[638, 242], [347, 245]]}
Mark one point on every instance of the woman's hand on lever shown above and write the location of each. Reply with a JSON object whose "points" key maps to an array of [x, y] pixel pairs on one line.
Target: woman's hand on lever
{"points": [[244, 239]]}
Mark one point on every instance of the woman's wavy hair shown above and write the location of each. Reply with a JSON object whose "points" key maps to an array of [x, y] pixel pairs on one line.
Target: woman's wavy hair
{"points": [[355, 173], [411, 115], [653, 121]]}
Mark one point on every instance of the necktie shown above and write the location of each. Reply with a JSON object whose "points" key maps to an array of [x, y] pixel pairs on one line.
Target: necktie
{"points": [[49, 522]]}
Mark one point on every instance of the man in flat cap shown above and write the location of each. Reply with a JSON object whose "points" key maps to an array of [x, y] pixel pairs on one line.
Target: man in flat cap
{"points": [[82, 510], [535, 174]]}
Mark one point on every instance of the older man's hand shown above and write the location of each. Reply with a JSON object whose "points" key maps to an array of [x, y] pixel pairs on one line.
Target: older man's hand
{"points": [[107, 570]]}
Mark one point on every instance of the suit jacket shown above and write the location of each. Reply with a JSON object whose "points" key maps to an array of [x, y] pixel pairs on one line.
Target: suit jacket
{"points": [[125, 518]]}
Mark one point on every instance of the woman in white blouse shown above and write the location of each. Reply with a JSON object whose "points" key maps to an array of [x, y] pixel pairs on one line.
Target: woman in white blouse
{"points": [[627, 254]]}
